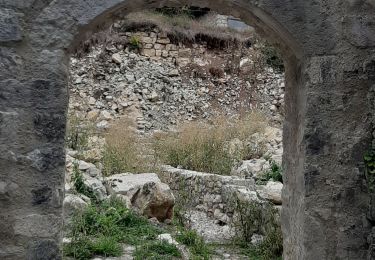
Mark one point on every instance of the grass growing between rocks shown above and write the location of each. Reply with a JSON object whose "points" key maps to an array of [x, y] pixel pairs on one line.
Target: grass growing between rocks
{"points": [[77, 133], [160, 250], [262, 219], [275, 173], [213, 148], [198, 248], [102, 227]]}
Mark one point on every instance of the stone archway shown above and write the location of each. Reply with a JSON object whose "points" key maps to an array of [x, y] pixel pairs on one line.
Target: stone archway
{"points": [[329, 50]]}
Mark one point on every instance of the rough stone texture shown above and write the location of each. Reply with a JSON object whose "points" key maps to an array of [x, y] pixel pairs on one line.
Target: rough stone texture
{"points": [[144, 192], [327, 45], [209, 193]]}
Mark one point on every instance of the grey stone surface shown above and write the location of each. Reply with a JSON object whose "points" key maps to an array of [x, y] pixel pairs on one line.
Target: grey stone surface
{"points": [[327, 130], [10, 29]]}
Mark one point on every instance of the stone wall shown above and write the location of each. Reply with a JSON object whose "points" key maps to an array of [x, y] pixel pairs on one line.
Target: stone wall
{"points": [[210, 193], [157, 45]]}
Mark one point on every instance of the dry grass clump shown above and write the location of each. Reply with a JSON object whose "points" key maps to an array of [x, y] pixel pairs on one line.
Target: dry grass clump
{"points": [[214, 147], [123, 151], [216, 72], [183, 28]]}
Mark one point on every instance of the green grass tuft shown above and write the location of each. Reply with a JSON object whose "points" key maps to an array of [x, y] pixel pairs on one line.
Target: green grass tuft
{"points": [[102, 227], [158, 250]]}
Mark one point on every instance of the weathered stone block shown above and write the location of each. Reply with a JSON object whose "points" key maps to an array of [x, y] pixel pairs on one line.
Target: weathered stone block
{"points": [[45, 249], [173, 53], [147, 40], [171, 47], [38, 225], [10, 29], [159, 46], [148, 46], [360, 30], [163, 40], [149, 52]]}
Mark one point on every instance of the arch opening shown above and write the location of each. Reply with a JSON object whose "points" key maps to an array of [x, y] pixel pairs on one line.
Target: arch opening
{"points": [[127, 52]]}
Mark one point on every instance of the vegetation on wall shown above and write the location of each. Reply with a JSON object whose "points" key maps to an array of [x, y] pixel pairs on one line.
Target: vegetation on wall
{"points": [[275, 173], [184, 27], [273, 57]]}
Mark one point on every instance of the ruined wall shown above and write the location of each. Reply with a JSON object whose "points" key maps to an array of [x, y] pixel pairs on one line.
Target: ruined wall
{"points": [[329, 51], [209, 193]]}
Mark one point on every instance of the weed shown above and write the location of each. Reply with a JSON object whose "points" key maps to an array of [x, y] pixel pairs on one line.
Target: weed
{"points": [[77, 134], [198, 247], [79, 184], [275, 173], [135, 43], [159, 250], [273, 58], [216, 72], [100, 229]]}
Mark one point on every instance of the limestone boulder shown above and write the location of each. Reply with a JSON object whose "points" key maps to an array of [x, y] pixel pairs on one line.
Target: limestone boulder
{"points": [[73, 203], [271, 191], [95, 184], [250, 168], [147, 194]]}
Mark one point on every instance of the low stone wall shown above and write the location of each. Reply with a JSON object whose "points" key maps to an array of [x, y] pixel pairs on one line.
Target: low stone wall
{"points": [[210, 193]]}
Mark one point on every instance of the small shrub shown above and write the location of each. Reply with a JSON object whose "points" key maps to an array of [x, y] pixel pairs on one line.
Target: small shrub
{"points": [[273, 58], [216, 72], [135, 43], [158, 250], [275, 173], [79, 184], [78, 133]]}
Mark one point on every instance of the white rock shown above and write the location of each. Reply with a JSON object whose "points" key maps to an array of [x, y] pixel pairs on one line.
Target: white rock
{"points": [[154, 96], [256, 239], [173, 73], [71, 204], [102, 124], [250, 168], [105, 115], [116, 58], [83, 166], [92, 101], [168, 238], [149, 196], [95, 185], [271, 191]]}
